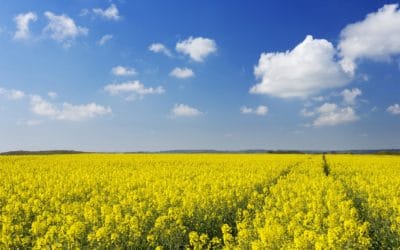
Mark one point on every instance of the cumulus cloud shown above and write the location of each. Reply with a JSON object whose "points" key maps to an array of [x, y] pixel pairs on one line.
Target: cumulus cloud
{"points": [[160, 48], [377, 37], [123, 71], [104, 39], [132, 89], [260, 110], [11, 94], [329, 114], [394, 109], [66, 111], [197, 48], [350, 95], [304, 71], [42, 107], [182, 73], [111, 13], [63, 29], [22, 22], [185, 110]]}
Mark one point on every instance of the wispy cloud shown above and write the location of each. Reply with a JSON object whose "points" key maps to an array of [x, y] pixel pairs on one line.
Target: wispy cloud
{"points": [[260, 110], [123, 71], [22, 22], [66, 111], [394, 109], [182, 73], [132, 89], [11, 94], [350, 95], [160, 48], [63, 29], [104, 39], [111, 13], [182, 110], [52, 95]]}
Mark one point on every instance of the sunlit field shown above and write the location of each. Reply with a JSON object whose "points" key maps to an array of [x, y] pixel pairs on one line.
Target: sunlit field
{"points": [[200, 201]]}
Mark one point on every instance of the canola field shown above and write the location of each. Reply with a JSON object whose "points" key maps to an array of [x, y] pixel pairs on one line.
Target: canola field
{"points": [[200, 201]]}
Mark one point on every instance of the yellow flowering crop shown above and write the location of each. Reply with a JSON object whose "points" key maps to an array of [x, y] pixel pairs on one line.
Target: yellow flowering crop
{"points": [[199, 201]]}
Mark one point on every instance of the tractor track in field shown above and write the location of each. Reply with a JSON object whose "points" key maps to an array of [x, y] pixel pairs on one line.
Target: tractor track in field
{"points": [[351, 194], [357, 200], [272, 182], [264, 190], [283, 173], [326, 168], [379, 230], [360, 203]]}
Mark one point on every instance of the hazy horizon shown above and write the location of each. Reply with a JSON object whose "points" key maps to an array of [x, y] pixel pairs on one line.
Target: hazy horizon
{"points": [[194, 150]]}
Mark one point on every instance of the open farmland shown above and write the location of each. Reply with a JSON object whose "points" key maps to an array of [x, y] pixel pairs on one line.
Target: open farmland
{"points": [[170, 201]]}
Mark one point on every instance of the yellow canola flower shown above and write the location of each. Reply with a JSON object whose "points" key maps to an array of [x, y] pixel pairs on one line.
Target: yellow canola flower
{"points": [[199, 201]]}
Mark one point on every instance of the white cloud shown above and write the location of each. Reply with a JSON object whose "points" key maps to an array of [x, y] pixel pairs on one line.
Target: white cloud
{"points": [[350, 95], [111, 13], [246, 110], [394, 109], [66, 111], [16, 94], [160, 48], [22, 22], [52, 95], [329, 114], [104, 39], [12, 94], [42, 107], [327, 108], [133, 89], [197, 48], [260, 110], [306, 70], [377, 37], [123, 71], [182, 73], [71, 112], [63, 29], [184, 110]]}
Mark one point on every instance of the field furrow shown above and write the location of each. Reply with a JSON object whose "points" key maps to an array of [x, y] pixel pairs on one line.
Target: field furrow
{"points": [[374, 185]]}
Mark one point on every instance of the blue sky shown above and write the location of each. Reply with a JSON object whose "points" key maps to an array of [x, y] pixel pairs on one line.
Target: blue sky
{"points": [[160, 75]]}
